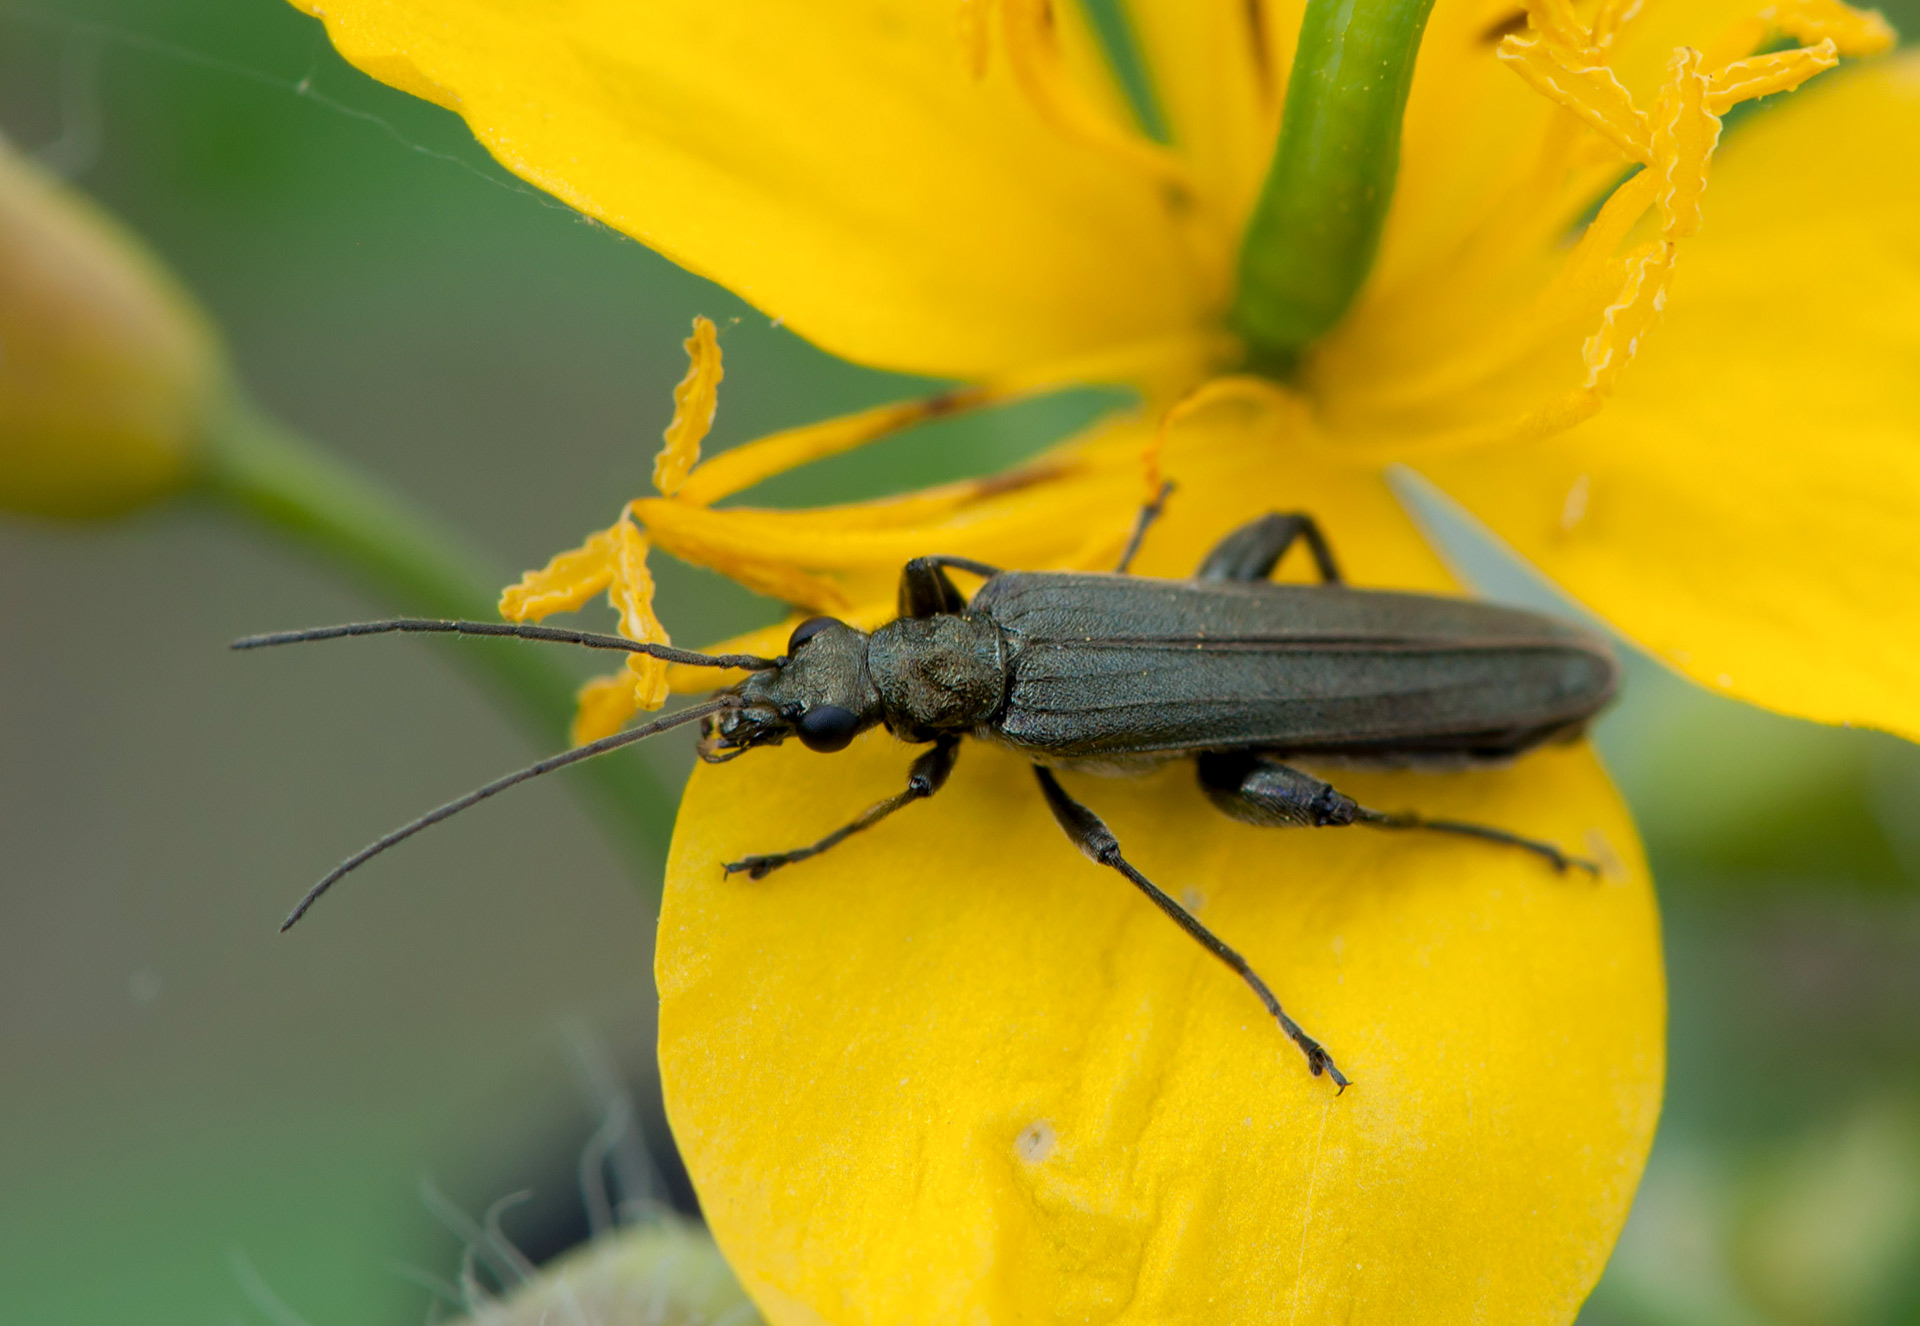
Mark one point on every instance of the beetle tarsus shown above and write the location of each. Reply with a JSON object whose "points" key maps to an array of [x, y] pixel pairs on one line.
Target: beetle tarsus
{"points": [[759, 867], [1319, 1061], [1546, 851]]}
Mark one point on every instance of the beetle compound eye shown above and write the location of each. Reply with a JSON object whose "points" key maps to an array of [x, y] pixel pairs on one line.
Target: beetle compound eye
{"points": [[806, 630], [827, 727]]}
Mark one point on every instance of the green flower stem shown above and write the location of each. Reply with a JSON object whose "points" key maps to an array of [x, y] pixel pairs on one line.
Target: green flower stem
{"points": [[1317, 223], [295, 487]]}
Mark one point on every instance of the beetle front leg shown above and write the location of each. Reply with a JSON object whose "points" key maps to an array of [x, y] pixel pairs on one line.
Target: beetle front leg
{"points": [[1251, 552], [928, 775], [1258, 789], [1091, 835]]}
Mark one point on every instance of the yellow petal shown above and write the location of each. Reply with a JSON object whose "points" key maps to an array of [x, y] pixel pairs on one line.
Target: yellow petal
{"points": [[835, 163], [694, 401], [563, 584], [1748, 506], [603, 707], [1219, 73], [954, 1072], [631, 594]]}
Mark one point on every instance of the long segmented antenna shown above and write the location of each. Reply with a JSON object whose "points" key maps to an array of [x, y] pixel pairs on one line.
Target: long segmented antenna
{"points": [[519, 631], [479, 794]]}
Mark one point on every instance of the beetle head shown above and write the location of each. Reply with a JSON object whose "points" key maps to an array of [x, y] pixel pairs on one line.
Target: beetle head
{"points": [[820, 693]]}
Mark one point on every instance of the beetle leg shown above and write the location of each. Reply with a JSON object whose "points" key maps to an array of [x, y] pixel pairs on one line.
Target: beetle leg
{"points": [[1258, 789], [928, 775], [1554, 857], [1091, 835], [925, 589], [1251, 552], [1141, 524]]}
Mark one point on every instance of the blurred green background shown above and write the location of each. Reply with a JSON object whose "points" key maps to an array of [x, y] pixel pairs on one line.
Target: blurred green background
{"points": [[203, 1122]]}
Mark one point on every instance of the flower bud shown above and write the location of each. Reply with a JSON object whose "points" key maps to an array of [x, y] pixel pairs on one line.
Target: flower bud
{"points": [[108, 371]]}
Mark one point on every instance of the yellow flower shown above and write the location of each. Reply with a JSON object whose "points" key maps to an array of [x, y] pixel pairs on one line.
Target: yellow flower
{"points": [[956, 1073], [108, 373]]}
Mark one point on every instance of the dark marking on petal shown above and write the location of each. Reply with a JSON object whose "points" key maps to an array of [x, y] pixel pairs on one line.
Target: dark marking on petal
{"points": [[1255, 13]]}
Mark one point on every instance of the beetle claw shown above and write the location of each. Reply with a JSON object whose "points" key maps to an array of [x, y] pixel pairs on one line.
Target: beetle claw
{"points": [[753, 867], [1319, 1061]]}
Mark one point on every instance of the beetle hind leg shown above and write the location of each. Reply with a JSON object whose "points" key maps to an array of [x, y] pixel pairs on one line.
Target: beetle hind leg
{"points": [[1251, 552], [1258, 789]]}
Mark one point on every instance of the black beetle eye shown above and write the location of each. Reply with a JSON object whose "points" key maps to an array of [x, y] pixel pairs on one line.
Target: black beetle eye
{"points": [[827, 727], [806, 630]]}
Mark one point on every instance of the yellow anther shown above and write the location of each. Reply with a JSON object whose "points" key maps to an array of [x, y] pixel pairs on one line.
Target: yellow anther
{"points": [[1029, 28], [694, 402], [1853, 31], [744, 466], [1556, 22], [1613, 15], [631, 594], [562, 585], [603, 706], [614, 560], [1684, 136], [1764, 75], [1642, 298], [1568, 64], [1587, 87]]}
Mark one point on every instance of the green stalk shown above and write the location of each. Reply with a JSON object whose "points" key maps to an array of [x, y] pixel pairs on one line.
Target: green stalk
{"points": [[297, 488], [1316, 226]]}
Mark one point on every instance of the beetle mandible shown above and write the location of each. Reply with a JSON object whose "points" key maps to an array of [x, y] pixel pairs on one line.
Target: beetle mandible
{"points": [[1112, 672]]}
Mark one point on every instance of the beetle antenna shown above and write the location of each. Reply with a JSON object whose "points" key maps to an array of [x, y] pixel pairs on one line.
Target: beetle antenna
{"points": [[479, 794], [519, 630]]}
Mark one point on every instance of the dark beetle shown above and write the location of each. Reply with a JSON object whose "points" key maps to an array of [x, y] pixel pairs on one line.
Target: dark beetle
{"points": [[1112, 673]]}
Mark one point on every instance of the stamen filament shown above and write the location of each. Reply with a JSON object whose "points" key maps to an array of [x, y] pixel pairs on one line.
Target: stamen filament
{"points": [[744, 466], [1032, 39]]}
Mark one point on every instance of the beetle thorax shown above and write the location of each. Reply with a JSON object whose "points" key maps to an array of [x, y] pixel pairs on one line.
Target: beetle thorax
{"points": [[937, 674]]}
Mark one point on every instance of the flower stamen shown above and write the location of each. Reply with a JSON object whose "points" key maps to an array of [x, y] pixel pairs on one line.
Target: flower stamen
{"points": [[744, 466], [614, 560], [1030, 33], [1246, 388], [839, 560], [1569, 63], [695, 400]]}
